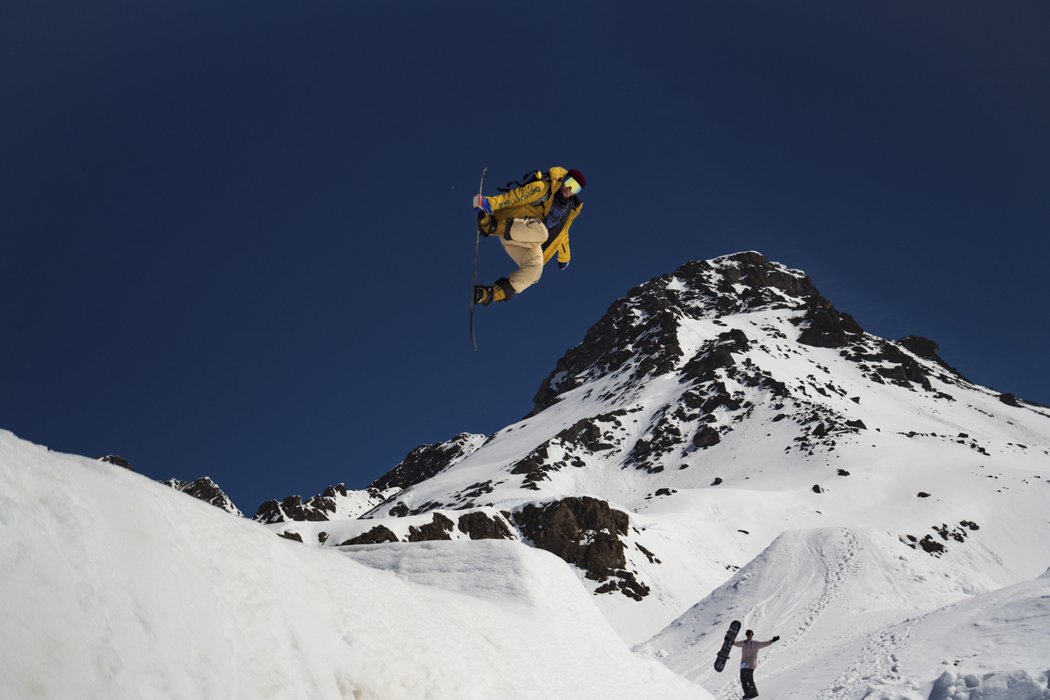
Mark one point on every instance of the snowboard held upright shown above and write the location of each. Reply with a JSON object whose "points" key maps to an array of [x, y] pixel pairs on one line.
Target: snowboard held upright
{"points": [[727, 645]]}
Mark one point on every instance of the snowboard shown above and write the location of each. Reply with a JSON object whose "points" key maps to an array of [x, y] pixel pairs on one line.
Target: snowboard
{"points": [[727, 645], [474, 276]]}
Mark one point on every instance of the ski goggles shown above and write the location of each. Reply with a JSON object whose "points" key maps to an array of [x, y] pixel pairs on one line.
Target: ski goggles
{"points": [[574, 187]]}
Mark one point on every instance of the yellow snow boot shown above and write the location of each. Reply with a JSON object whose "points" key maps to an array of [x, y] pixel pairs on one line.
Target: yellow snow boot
{"points": [[500, 291]]}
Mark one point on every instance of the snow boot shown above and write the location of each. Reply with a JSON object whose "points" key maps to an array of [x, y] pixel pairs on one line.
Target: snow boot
{"points": [[500, 291], [484, 294]]}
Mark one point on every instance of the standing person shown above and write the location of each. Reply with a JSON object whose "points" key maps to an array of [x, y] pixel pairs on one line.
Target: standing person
{"points": [[749, 661], [532, 222]]}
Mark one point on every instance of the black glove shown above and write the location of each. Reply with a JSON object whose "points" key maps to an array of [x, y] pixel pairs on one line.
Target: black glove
{"points": [[776, 638], [562, 266]]}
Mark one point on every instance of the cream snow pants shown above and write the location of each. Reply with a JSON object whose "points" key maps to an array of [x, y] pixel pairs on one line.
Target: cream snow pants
{"points": [[525, 248]]}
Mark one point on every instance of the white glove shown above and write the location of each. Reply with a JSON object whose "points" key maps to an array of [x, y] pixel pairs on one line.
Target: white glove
{"points": [[481, 204]]}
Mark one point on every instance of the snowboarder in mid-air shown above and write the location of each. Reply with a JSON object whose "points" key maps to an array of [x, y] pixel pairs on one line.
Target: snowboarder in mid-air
{"points": [[749, 660], [532, 222]]}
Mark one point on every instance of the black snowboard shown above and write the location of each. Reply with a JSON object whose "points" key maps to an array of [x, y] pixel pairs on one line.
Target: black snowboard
{"points": [[727, 645]]}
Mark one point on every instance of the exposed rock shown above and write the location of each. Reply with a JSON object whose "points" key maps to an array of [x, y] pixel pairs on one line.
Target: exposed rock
{"points": [[476, 490], [586, 533], [1009, 400], [959, 533], [590, 433], [535, 466], [325, 501], [427, 507], [323, 506], [438, 529], [931, 546], [206, 490], [426, 461], [826, 327], [649, 555], [928, 350], [663, 437], [291, 508], [586, 436], [117, 460], [755, 271], [881, 360], [717, 354], [377, 535], [479, 526], [706, 437]]}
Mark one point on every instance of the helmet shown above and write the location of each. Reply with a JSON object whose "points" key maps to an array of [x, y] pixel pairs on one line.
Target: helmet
{"points": [[577, 176]]}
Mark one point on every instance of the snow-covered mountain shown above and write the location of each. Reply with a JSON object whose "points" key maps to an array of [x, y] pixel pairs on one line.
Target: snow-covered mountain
{"points": [[728, 412], [723, 444]]}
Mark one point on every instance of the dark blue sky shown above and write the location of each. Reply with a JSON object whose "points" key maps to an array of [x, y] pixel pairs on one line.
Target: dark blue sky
{"points": [[235, 238]]}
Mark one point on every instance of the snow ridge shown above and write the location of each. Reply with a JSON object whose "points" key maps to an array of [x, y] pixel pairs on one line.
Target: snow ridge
{"points": [[170, 597]]}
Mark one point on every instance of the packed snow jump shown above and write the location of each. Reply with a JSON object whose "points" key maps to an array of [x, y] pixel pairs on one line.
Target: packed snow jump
{"points": [[531, 217]]}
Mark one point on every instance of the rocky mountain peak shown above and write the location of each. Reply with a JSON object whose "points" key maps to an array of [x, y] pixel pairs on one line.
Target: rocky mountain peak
{"points": [[428, 460], [638, 335], [205, 489], [335, 502]]}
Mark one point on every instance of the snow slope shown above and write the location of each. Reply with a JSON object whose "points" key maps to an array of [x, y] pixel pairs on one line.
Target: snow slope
{"points": [[859, 617], [994, 646], [113, 586]]}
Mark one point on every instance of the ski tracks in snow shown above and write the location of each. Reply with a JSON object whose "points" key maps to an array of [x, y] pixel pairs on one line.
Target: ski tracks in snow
{"points": [[875, 664], [836, 573]]}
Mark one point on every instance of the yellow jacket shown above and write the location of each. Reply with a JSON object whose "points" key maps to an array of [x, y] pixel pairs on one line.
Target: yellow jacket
{"points": [[534, 201]]}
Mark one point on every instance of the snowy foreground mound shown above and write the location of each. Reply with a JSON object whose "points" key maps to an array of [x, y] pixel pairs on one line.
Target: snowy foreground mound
{"points": [[112, 586]]}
